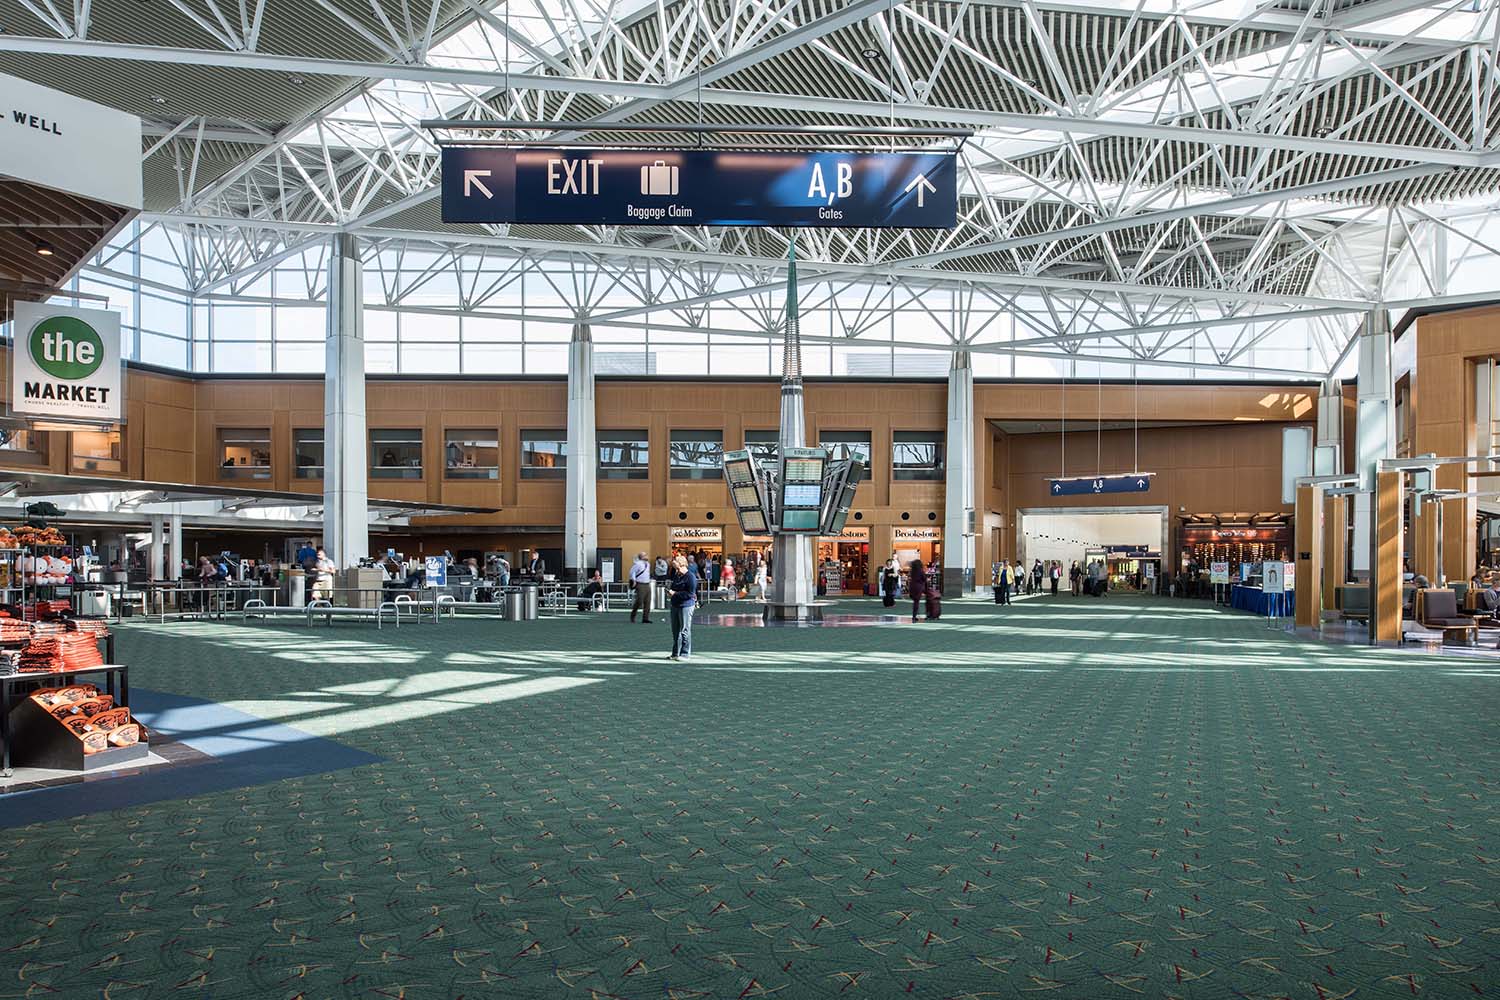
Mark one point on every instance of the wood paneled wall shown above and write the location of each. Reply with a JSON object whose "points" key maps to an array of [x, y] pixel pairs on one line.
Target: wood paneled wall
{"points": [[1444, 414]]}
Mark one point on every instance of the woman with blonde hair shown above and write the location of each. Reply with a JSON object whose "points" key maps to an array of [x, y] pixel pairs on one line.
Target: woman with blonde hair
{"points": [[684, 597]]}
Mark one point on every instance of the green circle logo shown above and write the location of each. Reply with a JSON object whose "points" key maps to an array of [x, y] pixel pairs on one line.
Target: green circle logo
{"points": [[66, 347]]}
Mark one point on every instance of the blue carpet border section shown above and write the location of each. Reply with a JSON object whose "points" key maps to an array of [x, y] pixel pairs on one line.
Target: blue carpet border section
{"points": [[245, 750]]}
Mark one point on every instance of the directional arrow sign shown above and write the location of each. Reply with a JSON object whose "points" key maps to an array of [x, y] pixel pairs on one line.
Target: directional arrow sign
{"points": [[699, 187], [471, 181], [923, 185], [1140, 482]]}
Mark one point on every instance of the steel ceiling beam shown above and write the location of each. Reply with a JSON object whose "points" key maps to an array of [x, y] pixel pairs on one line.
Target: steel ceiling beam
{"points": [[657, 92]]}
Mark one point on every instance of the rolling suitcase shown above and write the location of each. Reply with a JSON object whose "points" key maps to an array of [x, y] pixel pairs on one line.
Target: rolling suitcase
{"points": [[934, 606]]}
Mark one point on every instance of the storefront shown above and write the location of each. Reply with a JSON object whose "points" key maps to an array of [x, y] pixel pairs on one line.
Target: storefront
{"points": [[925, 544], [691, 541], [1203, 543], [844, 562]]}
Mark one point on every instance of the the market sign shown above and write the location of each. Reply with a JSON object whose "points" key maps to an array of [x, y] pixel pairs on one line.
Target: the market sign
{"points": [[1136, 482], [65, 364], [699, 187]]}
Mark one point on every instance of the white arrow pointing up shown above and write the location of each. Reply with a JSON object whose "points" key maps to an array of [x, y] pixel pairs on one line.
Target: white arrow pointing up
{"points": [[923, 185], [471, 180]]}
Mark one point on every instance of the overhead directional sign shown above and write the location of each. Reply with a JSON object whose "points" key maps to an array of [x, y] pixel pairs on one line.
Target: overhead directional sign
{"points": [[701, 187], [1139, 482]]}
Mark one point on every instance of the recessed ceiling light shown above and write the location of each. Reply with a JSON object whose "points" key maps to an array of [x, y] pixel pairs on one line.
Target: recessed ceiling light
{"points": [[44, 248], [296, 79], [158, 99], [870, 53]]}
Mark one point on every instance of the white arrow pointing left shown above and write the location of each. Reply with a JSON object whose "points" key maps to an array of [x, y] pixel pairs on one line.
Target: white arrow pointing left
{"points": [[923, 185], [471, 180]]}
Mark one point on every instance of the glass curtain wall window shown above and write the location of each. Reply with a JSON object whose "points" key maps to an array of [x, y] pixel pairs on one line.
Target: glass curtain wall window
{"points": [[307, 452], [917, 455], [624, 455], [471, 454], [23, 446], [544, 454], [847, 444], [765, 446], [396, 454], [244, 453], [97, 451], [697, 454]]}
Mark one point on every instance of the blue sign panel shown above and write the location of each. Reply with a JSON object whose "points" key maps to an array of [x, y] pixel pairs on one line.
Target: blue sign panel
{"points": [[1140, 483], [699, 187], [436, 574]]}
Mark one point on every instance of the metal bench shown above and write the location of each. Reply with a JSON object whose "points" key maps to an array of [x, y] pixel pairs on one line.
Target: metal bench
{"points": [[416, 608], [329, 612]]}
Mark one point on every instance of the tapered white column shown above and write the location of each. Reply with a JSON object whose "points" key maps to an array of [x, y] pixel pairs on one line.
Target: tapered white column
{"points": [[958, 506], [346, 497], [792, 569], [581, 513], [1328, 455], [155, 570], [1375, 426], [174, 547]]}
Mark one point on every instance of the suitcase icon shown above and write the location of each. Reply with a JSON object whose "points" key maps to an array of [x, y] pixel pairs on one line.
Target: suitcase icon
{"points": [[659, 179]]}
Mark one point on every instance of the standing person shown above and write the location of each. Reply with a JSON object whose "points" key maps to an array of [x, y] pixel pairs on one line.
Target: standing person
{"points": [[323, 571], [640, 576], [307, 556], [1056, 574], [684, 598], [727, 579], [916, 587], [760, 580], [1002, 582], [662, 570], [1036, 577], [537, 566], [502, 567], [1075, 577], [888, 578]]}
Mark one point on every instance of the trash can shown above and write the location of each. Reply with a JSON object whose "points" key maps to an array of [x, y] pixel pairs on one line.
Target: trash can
{"points": [[296, 588], [659, 594], [532, 596], [515, 606]]}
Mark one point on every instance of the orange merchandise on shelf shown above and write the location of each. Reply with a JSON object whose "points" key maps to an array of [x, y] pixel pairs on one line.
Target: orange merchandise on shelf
{"points": [[112, 718], [95, 740], [80, 650], [14, 630], [93, 626], [51, 697], [42, 655], [86, 709], [126, 735]]}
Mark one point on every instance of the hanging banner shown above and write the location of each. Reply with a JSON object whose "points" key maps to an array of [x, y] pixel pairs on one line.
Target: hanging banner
{"points": [[69, 144], [700, 187], [1139, 482], [65, 364]]}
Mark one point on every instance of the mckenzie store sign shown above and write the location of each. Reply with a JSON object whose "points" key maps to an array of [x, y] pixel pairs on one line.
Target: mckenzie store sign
{"points": [[65, 364]]}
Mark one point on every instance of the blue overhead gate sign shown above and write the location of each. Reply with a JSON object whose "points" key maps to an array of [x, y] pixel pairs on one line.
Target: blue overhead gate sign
{"points": [[1137, 483], [699, 188]]}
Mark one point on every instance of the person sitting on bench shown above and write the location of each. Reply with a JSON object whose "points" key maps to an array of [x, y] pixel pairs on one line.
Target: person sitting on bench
{"points": [[1488, 600], [594, 586]]}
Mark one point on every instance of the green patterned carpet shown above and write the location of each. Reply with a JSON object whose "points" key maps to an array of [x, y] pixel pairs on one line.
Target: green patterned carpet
{"points": [[1072, 798]]}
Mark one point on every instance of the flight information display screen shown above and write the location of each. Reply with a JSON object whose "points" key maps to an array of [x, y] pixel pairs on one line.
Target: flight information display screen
{"points": [[799, 520], [753, 521], [737, 471], [804, 470], [802, 495], [745, 496]]}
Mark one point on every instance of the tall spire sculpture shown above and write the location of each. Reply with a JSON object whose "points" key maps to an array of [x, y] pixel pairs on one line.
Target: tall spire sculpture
{"points": [[792, 588]]}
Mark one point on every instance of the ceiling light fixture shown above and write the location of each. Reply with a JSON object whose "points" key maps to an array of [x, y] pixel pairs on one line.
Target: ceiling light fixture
{"points": [[869, 53], [296, 79], [43, 248], [158, 99]]}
